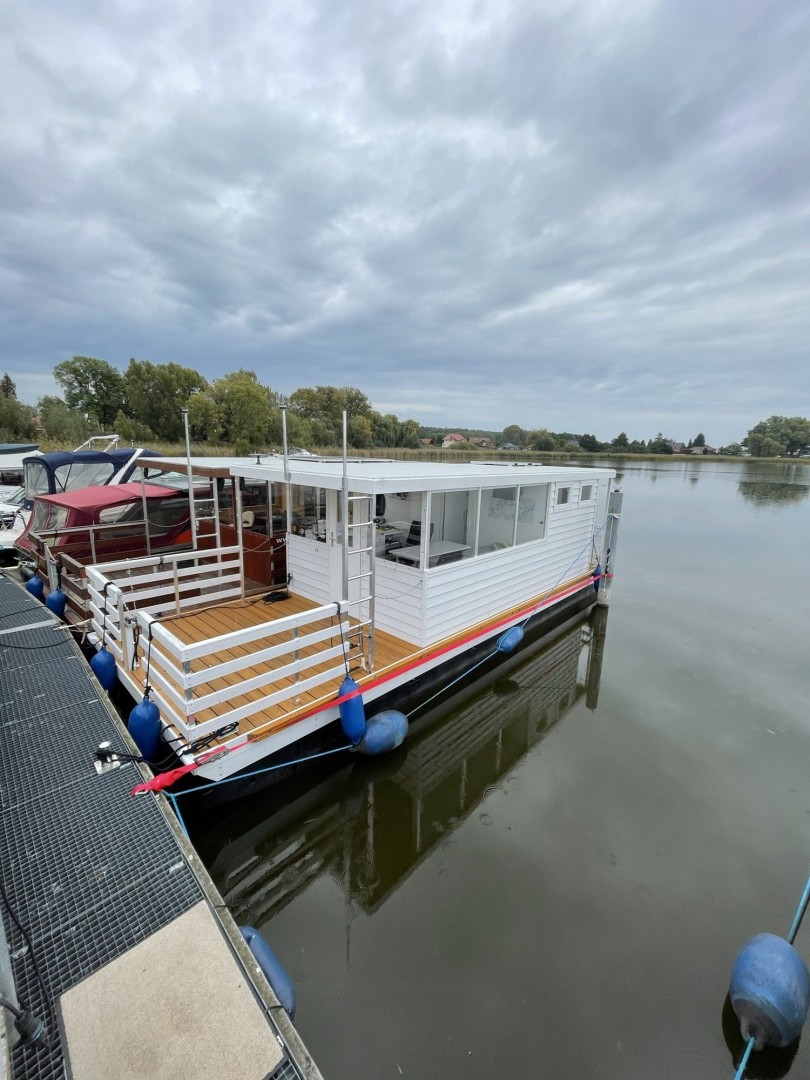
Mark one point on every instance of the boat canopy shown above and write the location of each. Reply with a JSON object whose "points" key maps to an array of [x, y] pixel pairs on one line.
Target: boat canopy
{"points": [[63, 470], [90, 498], [90, 505]]}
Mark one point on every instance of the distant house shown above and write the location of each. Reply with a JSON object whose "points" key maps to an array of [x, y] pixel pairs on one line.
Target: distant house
{"points": [[426, 442], [451, 440], [704, 450], [482, 441], [676, 447], [508, 446]]}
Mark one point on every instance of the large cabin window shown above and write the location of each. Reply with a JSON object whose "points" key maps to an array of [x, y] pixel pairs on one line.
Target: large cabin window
{"points": [[496, 519], [532, 513], [452, 517]]}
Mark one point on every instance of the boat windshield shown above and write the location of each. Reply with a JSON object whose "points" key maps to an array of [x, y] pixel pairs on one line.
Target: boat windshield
{"points": [[73, 475]]}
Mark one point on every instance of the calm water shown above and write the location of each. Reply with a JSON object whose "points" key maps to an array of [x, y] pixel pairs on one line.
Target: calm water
{"points": [[538, 885]]}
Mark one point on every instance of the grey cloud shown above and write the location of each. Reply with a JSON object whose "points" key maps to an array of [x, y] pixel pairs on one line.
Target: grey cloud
{"points": [[576, 216]]}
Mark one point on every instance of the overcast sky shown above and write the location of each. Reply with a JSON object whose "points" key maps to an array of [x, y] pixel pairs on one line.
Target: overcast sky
{"points": [[587, 216]]}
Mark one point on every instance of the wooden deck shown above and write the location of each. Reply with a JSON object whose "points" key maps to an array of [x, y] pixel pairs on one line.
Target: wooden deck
{"points": [[209, 622], [391, 653]]}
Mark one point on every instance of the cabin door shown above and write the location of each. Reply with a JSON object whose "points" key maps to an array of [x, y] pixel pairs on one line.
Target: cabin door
{"points": [[258, 544], [335, 533]]}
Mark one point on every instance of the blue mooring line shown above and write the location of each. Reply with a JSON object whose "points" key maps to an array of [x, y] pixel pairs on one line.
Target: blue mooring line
{"points": [[797, 921], [744, 1063], [258, 772]]}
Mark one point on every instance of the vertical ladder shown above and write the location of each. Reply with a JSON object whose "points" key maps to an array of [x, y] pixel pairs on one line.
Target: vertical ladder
{"points": [[359, 541]]}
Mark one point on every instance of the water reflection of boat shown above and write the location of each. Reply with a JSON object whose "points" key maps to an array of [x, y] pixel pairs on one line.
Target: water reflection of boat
{"points": [[370, 824]]}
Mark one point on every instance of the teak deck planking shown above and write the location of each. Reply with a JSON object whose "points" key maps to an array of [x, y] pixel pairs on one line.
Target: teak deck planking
{"points": [[196, 626]]}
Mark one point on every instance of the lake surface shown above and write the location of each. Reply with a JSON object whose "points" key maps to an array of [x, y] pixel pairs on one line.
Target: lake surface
{"points": [[553, 878]]}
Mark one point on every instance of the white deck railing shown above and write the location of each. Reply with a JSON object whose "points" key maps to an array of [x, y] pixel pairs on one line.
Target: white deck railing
{"points": [[127, 599]]}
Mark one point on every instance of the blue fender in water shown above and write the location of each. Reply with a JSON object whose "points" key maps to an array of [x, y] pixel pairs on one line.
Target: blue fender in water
{"points": [[55, 602], [352, 712], [597, 577], [103, 665], [385, 731], [272, 968], [35, 586], [144, 727], [770, 991], [510, 640]]}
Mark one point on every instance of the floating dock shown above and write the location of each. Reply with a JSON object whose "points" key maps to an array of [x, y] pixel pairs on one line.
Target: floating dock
{"points": [[116, 937]]}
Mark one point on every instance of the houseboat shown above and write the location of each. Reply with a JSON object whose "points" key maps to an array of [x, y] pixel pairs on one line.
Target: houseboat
{"points": [[400, 576]]}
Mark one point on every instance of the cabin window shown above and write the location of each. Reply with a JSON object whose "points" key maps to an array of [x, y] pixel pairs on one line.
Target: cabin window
{"points": [[563, 495], [532, 513], [36, 479], [47, 516], [132, 511], [496, 519], [308, 510], [452, 516], [586, 494]]}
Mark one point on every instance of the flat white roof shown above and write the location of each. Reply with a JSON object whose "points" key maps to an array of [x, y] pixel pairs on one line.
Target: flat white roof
{"points": [[380, 477]]}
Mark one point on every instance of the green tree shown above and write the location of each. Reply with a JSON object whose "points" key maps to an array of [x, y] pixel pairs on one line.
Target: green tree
{"points": [[244, 408], [590, 443], [386, 429], [779, 435], [133, 431], [61, 423], [93, 386], [16, 420], [157, 394], [323, 407], [621, 442], [512, 433], [541, 440], [659, 445], [7, 387], [203, 418], [360, 432], [732, 450], [699, 440]]}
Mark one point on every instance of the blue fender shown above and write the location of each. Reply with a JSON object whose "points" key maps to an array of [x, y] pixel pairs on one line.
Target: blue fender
{"points": [[385, 731], [770, 991], [272, 968]]}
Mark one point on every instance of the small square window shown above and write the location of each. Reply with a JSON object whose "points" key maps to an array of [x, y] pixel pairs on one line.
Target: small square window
{"points": [[587, 493], [562, 495]]}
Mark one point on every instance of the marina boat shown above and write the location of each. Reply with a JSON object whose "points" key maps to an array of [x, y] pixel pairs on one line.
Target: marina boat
{"points": [[12, 456], [12, 493], [96, 461], [400, 578], [68, 532]]}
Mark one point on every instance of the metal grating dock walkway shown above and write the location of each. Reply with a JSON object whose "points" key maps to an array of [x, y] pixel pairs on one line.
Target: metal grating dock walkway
{"points": [[87, 870]]}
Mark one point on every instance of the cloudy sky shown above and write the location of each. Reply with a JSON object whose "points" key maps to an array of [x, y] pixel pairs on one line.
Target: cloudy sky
{"points": [[586, 215]]}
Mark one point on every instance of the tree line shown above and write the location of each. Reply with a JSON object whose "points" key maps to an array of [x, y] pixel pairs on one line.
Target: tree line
{"points": [[145, 404], [778, 436]]}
